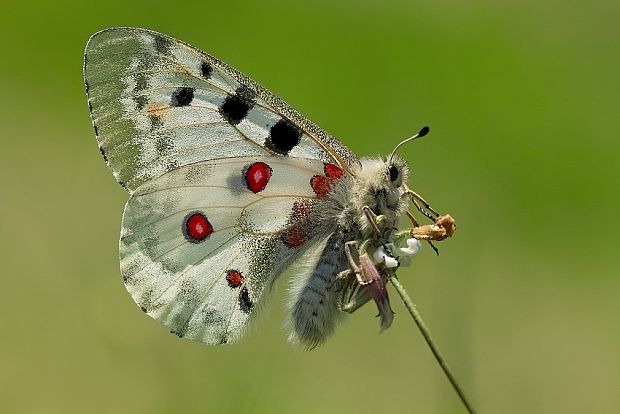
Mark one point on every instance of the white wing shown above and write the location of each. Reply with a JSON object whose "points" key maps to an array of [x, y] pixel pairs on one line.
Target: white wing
{"points": [[158, 104], [226, 179], [202, 244]]}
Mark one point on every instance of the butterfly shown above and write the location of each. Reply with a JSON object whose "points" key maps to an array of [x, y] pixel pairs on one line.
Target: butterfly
{"points": [[229, 187]]}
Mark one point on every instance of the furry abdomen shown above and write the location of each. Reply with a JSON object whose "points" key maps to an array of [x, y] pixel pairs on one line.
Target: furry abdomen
{"points": [[314, 312], [314, 305]]}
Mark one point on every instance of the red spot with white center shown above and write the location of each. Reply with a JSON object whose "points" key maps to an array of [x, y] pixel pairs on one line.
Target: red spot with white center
{"points": [[322, 184], [234, 278], [196, 227], [257, 176]]}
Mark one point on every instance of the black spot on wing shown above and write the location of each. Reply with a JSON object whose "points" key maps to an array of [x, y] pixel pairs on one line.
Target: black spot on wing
{"points": [[102, 151], [236, 107], [188, 294], [141, 101], [283, 137], [156, 122], [141, 80], [212, 317], [172, 165], [164, 146], [245, 303], [182, 97], [162, 45], [206, 70], [146, 301]]}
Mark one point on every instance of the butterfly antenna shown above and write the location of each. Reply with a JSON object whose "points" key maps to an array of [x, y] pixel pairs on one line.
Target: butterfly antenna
{"points": [[420, 134]]}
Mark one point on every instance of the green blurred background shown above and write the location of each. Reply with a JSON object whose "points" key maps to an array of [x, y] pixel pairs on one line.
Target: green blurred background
{"points": [[523, 99]]}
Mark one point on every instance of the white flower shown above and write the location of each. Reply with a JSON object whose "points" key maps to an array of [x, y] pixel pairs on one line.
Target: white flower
{"points": [[380, 256], [413, 247]]}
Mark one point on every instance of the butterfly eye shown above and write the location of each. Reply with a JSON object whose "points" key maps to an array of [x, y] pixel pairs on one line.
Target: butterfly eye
{"points": [[393, 173]]}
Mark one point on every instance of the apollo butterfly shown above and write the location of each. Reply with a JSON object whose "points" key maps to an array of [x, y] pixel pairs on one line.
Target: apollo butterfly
{"points": [[229, 186]]}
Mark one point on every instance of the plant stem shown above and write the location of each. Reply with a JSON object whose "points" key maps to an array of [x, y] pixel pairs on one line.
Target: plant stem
{"points": [[427, 337]]}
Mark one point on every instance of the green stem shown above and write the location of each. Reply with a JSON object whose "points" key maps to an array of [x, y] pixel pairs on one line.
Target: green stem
{"points": [[427, 337]]}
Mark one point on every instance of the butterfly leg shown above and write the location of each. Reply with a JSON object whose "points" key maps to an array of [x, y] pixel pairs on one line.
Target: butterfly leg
{"points": [[354, 292], [380, 226], [420, 203], [372, 218], [351, 296], [413, 219], [369, 283], [416, 199], [353, 269], [347, 250], [362, 271]]}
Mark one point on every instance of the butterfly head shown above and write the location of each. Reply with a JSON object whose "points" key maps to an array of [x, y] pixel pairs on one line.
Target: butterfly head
{"points": [[396, 171], [379, 185]]}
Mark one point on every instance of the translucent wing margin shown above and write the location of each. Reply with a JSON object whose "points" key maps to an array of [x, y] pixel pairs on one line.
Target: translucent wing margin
{"points": [[158, 104], [201, 245]]}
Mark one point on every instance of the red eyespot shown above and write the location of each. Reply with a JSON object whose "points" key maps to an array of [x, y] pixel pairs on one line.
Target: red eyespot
{"points": [[301, 211], [322, 184], [333, 171], [196, 227], [234, 278], [294, 237], [301, 228], [257, 176]]}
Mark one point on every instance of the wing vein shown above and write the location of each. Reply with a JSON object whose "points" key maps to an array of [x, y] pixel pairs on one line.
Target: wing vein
{"points": [[190, 266]]}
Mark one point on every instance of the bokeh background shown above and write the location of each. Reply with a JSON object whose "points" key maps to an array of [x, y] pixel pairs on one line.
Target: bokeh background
{"points": [[523, 99]]}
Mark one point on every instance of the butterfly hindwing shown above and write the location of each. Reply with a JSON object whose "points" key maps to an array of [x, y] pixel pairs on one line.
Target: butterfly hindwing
{"points": [[158, 104], [202, 244]]}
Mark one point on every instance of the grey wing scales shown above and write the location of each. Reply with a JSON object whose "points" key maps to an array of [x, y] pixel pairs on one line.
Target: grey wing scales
{"points": [[158, 104], [200, 250]]}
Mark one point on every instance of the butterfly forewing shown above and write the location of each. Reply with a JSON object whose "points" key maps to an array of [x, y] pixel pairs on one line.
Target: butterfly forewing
{"points": [[158, 104]]}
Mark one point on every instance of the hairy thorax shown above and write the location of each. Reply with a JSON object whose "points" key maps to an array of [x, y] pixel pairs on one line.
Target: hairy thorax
{"points": [[370, 185]]}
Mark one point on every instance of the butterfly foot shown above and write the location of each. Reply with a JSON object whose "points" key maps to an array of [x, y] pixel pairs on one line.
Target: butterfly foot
{"points": [[347, 249], [345, 274]]}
